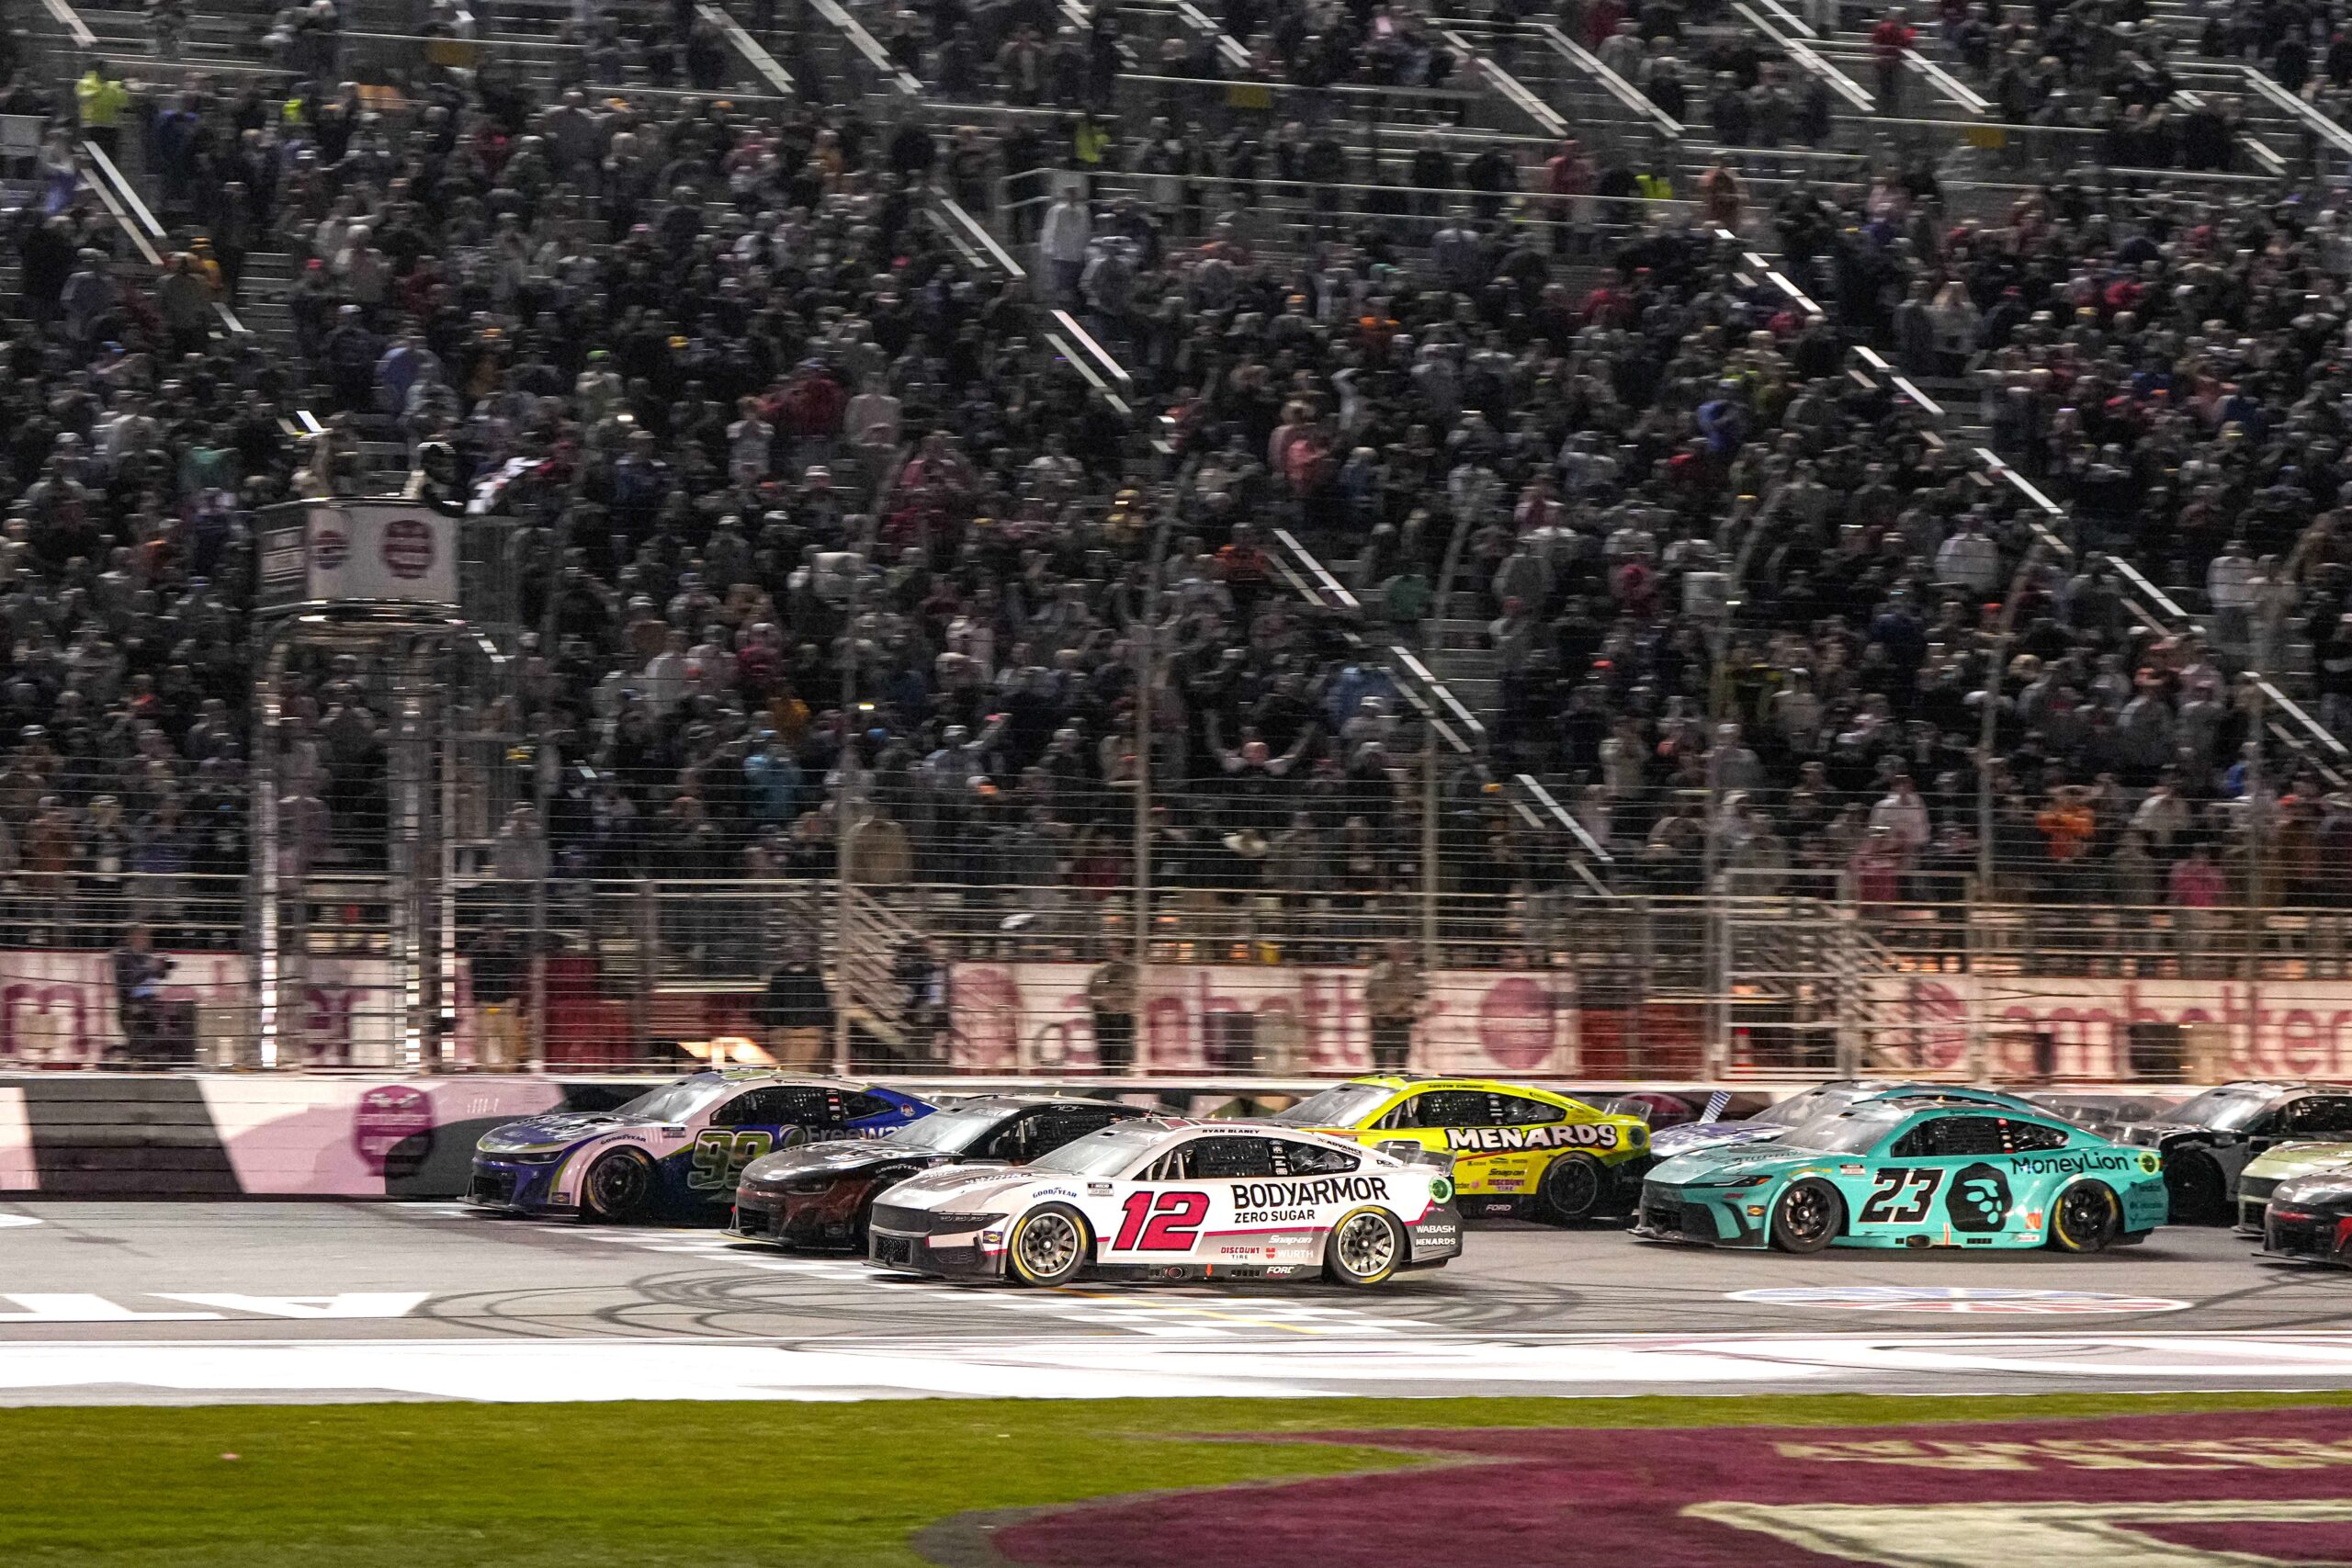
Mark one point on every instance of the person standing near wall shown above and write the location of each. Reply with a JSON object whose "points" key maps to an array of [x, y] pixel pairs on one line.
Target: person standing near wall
{"points": [[497, 971], [1394, 993], [1111, 994], [797, 1012], [139, 971]]}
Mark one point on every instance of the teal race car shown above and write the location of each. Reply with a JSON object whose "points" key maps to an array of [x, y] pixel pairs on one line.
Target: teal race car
{"points": [[1915, 1170]]}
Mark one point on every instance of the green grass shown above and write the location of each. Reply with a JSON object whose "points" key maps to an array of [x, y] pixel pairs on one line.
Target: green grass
{"points": [[713, 1486]]}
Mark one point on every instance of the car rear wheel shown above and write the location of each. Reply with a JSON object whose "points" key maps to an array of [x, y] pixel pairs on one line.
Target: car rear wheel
{"points": [[1572, 1189], [1047, 1246], [1806, 1216], [1366, 1247], [2086, 1218], [2199, 1191], [619, 1185]]}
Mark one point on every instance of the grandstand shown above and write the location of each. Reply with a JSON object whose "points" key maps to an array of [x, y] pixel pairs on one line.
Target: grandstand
{"points": [[1748, 539]]}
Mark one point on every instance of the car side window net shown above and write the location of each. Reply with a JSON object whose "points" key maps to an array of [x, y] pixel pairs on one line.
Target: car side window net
{"points": [[2328, 1115], [1453, 1108], [771, 1108], [1220, 1158], [1951, 1135]]}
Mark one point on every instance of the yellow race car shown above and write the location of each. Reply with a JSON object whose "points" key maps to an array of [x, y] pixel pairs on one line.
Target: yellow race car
{"points": [[1532, 1151]]}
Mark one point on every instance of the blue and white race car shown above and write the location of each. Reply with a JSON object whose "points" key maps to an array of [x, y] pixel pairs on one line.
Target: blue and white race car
{"points": [[1772, 1123], [676, 1152]]}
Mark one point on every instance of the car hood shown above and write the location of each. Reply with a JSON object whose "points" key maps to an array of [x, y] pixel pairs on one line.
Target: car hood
{"points": [[559, 1131], [2289, 1160], [1695, 1135], [1723, 1164], [835, 1159], [2331, 1189], [2151, 1134], [964, 1186]]}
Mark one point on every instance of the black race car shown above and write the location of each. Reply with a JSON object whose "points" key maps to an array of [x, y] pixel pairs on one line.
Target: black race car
{"points": [[820, 1195], [2208, 1141], [2311, 1217]]}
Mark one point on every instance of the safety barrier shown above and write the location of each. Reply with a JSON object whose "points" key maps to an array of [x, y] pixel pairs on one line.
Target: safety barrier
{"points": [[225, 1137]]}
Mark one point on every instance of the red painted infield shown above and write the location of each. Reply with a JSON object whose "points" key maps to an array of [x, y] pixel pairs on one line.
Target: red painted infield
{"points": [[2228, 1488]]}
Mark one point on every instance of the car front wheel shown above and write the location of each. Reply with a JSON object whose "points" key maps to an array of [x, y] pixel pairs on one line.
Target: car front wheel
{"points": [[1366, 1248], [619, 1185], [1047, 1246], [1805, 1217]]}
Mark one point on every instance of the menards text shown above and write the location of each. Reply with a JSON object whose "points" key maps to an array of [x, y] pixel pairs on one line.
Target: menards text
{"points": [[1559, 1135]]}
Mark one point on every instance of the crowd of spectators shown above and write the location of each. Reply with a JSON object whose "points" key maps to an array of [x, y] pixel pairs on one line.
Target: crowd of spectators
{"points": [[800, 482]]}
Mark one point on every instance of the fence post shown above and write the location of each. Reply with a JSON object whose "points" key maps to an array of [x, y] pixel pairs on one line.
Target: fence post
{"points": [[1429, 848], [1715, 931], [1845, 939], [1147, 720], [649, 957], [1979, 1052]]}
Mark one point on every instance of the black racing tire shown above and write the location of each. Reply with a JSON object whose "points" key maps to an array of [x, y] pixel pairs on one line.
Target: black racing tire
{"points": [[1046, 1247], [1574, 1187], [1366, 1248], [2088, 1217], [1806, 1216], [2200, 1193], [618, 1188]]}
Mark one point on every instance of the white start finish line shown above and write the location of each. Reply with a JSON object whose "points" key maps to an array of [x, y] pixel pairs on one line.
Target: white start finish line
{"points": [[1114, 1365], [80, 1308]]}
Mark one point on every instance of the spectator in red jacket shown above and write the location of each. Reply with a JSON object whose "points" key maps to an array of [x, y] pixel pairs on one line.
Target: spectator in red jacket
{"points": [[1890, 41]]}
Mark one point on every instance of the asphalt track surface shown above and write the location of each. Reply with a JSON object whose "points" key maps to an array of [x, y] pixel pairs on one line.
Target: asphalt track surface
{"points": [[201, 1302]]}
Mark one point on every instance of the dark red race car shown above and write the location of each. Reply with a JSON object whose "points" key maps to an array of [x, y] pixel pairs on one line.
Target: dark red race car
{"points": [[820, 1194]]}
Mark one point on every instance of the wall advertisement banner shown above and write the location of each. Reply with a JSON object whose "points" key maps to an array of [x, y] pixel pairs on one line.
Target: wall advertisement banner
{"points": [[2288, 1029], [59, 1009], [1235, 1017]]}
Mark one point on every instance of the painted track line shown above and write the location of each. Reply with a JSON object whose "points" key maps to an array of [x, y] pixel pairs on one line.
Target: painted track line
{"points": [[1105, 1366]]}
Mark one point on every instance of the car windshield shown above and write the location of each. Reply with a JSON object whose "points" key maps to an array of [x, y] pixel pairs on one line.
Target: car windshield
{"points": [[1342, 1106], [951, 1132], [674, 1102], [1827, 1101], [2232, 1105], [1106, 1152], [1847, 1131]]}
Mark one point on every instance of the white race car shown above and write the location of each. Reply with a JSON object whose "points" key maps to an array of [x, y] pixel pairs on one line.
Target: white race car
{"points": [[1165, 1199]]}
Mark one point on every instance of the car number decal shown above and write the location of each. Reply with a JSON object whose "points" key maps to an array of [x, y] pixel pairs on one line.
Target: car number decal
{"points": [[1917, 1184], [1175, 1222], [720, 1156]]}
